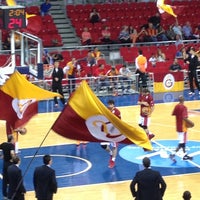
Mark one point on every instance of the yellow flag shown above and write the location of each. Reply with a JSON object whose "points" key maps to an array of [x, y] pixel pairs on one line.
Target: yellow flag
{"points": [[165, 8], [17, 86], [86, 118]]}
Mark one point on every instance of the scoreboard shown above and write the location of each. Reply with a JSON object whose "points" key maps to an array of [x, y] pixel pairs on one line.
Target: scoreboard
{"points": [[12, 17]]}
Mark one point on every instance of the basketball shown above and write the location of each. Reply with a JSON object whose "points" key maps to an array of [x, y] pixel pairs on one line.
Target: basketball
{"points": [[22, 131], [189, 123], [146, 110]]}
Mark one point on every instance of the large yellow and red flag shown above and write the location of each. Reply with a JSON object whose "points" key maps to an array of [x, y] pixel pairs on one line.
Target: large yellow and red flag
{"points": [[165, 8], [86, 118], [19, 100]]}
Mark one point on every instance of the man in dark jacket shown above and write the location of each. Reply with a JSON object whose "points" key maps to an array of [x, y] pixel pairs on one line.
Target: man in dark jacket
{"points": [[16, 189], [8, 149], [44, 180], [150, 184]]}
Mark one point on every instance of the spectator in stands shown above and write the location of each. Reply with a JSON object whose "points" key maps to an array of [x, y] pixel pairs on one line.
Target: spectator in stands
{"points": [[102, 80], [182, 53], [17, 38], [45, 7], [47, 58], [94, 16], [155, 20], [161, 34], [113, 76], [153, 59], [89, 61], [86, 37], [81, 74], [197, 32], [152, 33], [97, 54], [70, 70], [57, 57], [179, 53], [106, 35], [124, 36], [160, 56], [175, 67], [187, 31], [177, 29], [125, 78], [170, 33], [178, 41], [133, 34], [142, 35]]}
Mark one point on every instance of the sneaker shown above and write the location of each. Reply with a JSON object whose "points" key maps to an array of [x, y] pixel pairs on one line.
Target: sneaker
{"points": [[172, 157], [191, 93], [199, 92], [186, 157], [111, 163], [5, 198], [151, 136], [56, 105]]}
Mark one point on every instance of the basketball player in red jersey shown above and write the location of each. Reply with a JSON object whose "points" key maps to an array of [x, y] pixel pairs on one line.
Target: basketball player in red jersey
{"points": [[112, 147], [146, 103], [181, 114]]}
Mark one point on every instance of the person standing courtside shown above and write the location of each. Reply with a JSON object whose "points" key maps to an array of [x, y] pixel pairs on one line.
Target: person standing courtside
{"points": [[8, 149], [57, 76], [150, 184], [44, 180], [16, 189], [192, 60], [141, 65]]}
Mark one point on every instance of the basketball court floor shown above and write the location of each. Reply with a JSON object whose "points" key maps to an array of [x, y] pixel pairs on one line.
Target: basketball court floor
{"points": [[85, 165]]}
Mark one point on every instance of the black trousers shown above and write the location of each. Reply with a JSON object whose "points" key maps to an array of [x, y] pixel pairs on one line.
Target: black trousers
{"points": [[193, 76]]}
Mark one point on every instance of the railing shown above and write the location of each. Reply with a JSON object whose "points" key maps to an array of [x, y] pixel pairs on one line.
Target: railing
{"points": [[112, 85]]}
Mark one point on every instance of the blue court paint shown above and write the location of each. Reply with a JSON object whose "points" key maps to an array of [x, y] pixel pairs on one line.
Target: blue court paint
{"points": [[85, 165], [160, 154]]}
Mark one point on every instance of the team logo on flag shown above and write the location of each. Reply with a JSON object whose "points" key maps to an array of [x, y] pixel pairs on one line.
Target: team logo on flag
{"points": [[102, 129], [20, 106]]}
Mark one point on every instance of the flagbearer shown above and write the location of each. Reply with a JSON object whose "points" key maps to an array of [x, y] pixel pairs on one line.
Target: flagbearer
{"points": [[14, 133], [112, 147]]}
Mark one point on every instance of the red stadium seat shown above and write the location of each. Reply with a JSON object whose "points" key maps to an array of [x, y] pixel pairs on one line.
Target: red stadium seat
{"points": [[76, 54]]}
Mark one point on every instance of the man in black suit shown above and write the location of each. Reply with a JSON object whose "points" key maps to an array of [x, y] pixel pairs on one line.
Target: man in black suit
{"points": [[57, 76], [150, 184], [8, 149], [16, 189], [44, 180]]}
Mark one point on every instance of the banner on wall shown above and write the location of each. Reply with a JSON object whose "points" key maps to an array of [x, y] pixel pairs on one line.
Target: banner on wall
{"points": [[172, 82]]}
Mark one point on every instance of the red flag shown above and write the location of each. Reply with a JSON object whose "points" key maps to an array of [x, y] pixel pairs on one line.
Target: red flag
{"points": [[19, 100], [14, 113], [86, 118]]}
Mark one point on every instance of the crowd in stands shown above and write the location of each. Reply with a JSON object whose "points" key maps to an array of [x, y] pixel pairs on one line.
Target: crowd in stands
{"points": [[91, 63], [118, 19]]}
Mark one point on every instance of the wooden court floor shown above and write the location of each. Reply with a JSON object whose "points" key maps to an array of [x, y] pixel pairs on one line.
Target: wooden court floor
{"points": [[162, 125]]}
